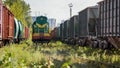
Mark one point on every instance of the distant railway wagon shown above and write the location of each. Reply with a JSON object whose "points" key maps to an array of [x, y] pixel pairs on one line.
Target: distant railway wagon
{"points": [[87, 20], [57, 33], [82, 29], [73, 28], [11, 29], [53, 33], [66, 30], [21, 32], [95, 26], [41, 32], [61, 31]]}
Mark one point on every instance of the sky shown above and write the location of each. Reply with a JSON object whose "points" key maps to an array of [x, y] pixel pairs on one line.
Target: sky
{"points": [[59, 9]]}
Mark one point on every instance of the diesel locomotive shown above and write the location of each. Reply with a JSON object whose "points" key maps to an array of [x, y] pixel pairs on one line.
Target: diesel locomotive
{"points": [[41, 32]]}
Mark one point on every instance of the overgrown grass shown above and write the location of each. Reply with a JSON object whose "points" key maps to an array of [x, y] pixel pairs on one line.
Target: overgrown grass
{"points": [[55, 55]]}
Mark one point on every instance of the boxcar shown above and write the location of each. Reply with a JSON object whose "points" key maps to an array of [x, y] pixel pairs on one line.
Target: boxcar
{"points": [[6, 25]]}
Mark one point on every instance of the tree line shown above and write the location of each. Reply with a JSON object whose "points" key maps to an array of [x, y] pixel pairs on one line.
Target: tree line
{"points": [[20, 9]]}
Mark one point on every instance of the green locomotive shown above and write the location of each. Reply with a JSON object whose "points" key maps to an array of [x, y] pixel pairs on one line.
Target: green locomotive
{"points": [[40, 29]]}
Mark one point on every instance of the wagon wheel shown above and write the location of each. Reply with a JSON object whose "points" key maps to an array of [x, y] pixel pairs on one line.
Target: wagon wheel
{"points": [[105, 44], [1, 44], [100, 45], [11, 42], [95, 44]]}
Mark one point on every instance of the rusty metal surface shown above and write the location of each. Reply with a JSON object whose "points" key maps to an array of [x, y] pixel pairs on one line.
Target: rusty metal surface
{"points": [[8, 24], [26, 32]]}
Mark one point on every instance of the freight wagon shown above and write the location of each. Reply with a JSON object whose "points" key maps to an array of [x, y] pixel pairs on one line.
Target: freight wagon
{"points": [[21, 32], [96, 26], [11, 29], [81, 29], [109, 25], [57, 34], [6, 25], [88, 19], [73, 29], [66, 31]]}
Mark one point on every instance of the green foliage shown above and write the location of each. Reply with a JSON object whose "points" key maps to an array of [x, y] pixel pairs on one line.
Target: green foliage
{"points": [[56, 55], [68, 63], [20, 9]]}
